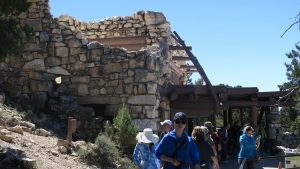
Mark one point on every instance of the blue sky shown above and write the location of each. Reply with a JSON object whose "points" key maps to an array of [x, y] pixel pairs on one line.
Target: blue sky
{"points": [[236, 41]]}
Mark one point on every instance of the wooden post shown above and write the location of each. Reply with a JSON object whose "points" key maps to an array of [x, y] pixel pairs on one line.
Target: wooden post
{"points": [[225, 118], [71, 128], [242, 116], [230, 117], [254, 117]]}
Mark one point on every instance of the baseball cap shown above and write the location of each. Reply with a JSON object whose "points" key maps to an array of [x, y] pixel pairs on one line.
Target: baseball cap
{"points": [[208, 123], [180, 115], [169, 122]]}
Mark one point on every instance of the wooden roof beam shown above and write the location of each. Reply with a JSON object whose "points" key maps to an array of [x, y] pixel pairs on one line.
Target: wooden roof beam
{"points": [[192, 71], [180, 58], [172, 47], [187, 67], [200, 70]]}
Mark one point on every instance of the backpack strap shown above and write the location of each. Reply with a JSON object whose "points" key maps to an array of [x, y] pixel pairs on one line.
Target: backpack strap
{"points": [[178, 146]]}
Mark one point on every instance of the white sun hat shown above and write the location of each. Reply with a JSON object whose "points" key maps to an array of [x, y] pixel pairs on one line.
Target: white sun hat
{"points": [[147, 136]]}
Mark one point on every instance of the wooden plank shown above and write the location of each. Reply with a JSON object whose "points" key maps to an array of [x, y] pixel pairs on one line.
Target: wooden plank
{"points": [[208, 104], [129, 47], [192, 71], [272, 94], [172, 47], [187, 67], [192, 112], [200, 70], [123, 40], [180, 58], [131, 43], [241, 103], [242, 91], [196, 89]]}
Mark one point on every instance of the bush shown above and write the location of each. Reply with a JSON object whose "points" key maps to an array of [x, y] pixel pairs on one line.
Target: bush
{"points": [[104, 153], [123, 130]]}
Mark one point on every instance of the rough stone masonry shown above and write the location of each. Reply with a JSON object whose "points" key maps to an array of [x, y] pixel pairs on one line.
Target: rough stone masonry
{"points": [[92, 74]]}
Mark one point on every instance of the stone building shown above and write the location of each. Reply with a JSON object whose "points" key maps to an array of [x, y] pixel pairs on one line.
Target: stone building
{"points": [[94, 67], [134, 60]]}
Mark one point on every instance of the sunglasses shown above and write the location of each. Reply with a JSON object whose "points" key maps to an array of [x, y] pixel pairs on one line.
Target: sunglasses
{"points": [[182, 121]]}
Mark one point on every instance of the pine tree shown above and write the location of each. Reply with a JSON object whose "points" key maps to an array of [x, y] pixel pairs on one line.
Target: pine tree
{"points": [[12, 35], [290, 116], [123, 130]]}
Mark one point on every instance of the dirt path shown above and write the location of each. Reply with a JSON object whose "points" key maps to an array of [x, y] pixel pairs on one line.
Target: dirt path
{"points": [[44, 151]]}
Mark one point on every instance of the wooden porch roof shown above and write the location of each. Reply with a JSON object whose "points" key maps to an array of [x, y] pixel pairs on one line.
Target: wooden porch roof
{"points": [[198, 99]]}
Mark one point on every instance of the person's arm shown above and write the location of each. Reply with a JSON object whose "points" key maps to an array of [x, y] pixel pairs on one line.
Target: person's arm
{"points": [[243, 139], [194, 154], [216, 162], [214, 150], [219, 148], [161, 151], [257, 144], [136, 156], [173, 161]]}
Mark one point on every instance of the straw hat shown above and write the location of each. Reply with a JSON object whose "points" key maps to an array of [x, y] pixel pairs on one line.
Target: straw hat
{"points": [[147, 136]]}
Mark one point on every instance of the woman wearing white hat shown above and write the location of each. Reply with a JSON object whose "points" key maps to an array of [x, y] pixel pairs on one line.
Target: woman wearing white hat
{"points": [[144, 152]]}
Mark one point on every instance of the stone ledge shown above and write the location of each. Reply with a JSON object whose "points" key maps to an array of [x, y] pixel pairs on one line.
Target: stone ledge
{"points": [[99, 100]]}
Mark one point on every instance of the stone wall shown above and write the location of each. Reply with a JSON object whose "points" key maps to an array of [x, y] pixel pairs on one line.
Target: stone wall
{"points": [[91, 73], [153, 25]]}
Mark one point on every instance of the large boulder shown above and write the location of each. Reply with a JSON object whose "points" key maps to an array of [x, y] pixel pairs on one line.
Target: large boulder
{"points": [[16, 129], [154, 18], [42, 132], [13, 121]]}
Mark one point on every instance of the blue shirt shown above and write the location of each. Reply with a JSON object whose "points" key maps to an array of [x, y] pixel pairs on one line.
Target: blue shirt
{"points": [[248, 147], [187, 154], [145, 156]]}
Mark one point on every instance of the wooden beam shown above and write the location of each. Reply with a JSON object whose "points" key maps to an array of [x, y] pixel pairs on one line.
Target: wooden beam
{"points": [[180, 58], [131, 43], [209, 104], [272, 94], [184, 89], [187, 67], [254, 117], [171, 47], [192, 71], [129, 40], [241, 103], [193, 113], [200, 70], [243, 91]]}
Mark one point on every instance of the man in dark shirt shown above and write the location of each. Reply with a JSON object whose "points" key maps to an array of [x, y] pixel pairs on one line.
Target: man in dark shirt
{"points": [[177, 149]]}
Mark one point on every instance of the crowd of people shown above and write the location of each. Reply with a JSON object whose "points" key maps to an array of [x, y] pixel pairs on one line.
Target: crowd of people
{"points": [[205, 148]]}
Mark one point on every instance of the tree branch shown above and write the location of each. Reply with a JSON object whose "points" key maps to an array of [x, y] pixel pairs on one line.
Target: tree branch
{"points": [[287, 95], [289, 28]]}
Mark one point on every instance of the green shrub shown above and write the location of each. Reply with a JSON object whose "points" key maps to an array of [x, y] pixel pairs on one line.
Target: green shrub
{"points": [[123, 130], [109, 130], [104, 153]]}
